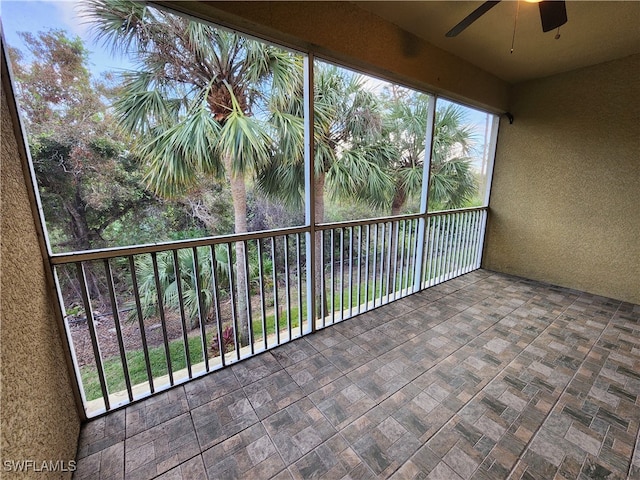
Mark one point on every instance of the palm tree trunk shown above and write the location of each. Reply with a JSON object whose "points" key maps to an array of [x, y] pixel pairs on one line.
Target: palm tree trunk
{"points": [[239, 199], [321, 298]]}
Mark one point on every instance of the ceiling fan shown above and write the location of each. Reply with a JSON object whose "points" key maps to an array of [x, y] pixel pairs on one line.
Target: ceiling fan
{"points": [[553, 14]]}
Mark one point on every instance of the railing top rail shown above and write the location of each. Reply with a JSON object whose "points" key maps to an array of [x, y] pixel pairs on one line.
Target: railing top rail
{"points": [[395, 218], [366, 221], [112, 252], [457, 210]]}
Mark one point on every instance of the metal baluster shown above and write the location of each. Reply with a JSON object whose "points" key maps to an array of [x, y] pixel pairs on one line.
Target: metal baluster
{"points": [[402, 257], [409, 257], [143, 333], [286, 283], [379, 270], [359, 275], [116, 321], [366, 271], [414, 255], [427, 245], [456, 246], [433, 250], [395, 235], [383, 237], [163, 321], [389, 253], [299, 275], [185, 338], [342, 274], [472, 233], [374, 270], [441, 247], [202, 314], [232, 290], [351, 271], [263, 307], [434, 246], [445, 239], [431, 226], [92, 333], [481, 230], [456, 257], [333, 278], [465, 242], [247, 292], [276, 306], [450, 242], [216, 304], [323, 288], [461, 241]]}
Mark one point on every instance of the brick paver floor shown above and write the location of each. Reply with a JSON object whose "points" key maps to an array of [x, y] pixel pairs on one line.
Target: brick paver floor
{"points": [[486, 376]]}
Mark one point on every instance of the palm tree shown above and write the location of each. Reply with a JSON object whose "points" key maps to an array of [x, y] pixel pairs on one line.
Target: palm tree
{"points": [[452, 182], [350, 155], [168, 281], [191, 103]]}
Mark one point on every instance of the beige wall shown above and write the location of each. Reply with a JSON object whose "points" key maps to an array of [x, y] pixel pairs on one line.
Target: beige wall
{"points": [[38, 414], [358, 38], [565, 204]]}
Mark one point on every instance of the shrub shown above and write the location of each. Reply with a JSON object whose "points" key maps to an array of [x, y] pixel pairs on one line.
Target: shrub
{"points": [[228, 342]]}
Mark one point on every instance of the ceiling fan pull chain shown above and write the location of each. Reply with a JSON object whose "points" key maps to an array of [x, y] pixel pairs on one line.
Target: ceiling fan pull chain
{"points": [[557, 37], [515, 22]]}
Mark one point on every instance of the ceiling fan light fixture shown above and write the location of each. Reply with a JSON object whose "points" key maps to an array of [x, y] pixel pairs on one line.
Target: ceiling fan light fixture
{"points": [[553, 14]]}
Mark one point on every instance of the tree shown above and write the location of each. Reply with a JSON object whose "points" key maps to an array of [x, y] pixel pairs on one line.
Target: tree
{"points": [[86, 178], [191, 104], [452, 182], [350, 152], [350, 155], [168, 281]]}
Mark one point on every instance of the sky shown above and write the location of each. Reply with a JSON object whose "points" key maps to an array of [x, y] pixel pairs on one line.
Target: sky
{"points": [[35, 15]]}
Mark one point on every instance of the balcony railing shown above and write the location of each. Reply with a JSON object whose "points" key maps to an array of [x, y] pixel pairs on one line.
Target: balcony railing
{"points": [[142, 319]]}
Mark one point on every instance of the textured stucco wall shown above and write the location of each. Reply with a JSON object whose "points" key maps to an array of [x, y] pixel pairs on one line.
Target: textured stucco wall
{"points": [[361, 39], [565, 204], [38, 414]]}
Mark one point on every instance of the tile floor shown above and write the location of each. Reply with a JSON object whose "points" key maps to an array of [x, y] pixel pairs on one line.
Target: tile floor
{"points": [[485, 377]]}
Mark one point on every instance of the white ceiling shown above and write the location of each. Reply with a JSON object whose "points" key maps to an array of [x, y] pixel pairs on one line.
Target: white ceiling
{"points": [[596, 31]]}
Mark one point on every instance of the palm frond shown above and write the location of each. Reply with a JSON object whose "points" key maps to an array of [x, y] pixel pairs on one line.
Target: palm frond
{"points": [[179, 153], [453, 185], [289, 129], [244, 139], [140, 108], [118, 23]]}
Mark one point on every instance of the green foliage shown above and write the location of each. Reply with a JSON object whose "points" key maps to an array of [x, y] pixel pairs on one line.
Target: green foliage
{"points": [[168, 281], [453, 182], [87, 178], [349, 156], [191, 102]]}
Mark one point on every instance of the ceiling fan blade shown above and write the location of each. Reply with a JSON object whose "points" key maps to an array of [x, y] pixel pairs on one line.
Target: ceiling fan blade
{"points": [[553, 13], [472, 17]]}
